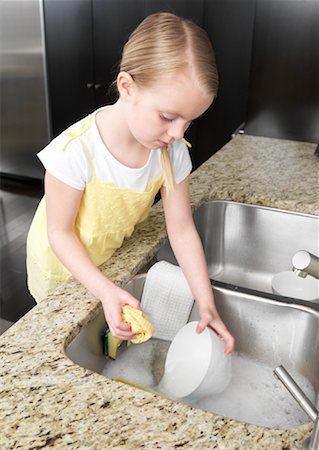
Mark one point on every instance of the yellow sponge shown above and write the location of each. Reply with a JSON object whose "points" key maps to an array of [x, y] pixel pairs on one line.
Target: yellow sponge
{"points": [[113, 345], [140, 324]]}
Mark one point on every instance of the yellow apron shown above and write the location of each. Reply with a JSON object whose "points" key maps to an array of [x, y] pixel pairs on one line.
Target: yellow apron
{"points": [[107, 215]]}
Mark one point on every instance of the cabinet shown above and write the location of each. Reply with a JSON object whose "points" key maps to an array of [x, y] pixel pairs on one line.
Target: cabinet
{"points": [[113, 22], [84, 39], [69, 56], [284, 91], [230, 26]]}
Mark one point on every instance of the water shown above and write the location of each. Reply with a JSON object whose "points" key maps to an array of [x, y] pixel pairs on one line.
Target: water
{"points": [[140, 364], [254, 394]]}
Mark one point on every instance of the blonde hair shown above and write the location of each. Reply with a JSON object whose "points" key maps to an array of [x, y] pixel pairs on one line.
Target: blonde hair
{"points": [[163, 44]]}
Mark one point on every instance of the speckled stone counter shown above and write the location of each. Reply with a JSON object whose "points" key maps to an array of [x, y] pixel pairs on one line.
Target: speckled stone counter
{"points": [[48, 401]]}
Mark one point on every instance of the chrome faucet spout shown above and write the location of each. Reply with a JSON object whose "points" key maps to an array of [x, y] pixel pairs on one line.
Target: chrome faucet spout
{"points": [[305, 263], [311, 443]]}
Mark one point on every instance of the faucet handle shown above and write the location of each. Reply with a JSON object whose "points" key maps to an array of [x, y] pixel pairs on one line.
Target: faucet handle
{"points": [[305, 263]]}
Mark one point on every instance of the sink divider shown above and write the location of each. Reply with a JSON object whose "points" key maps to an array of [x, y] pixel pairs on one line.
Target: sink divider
{"points": [[278, 298]]}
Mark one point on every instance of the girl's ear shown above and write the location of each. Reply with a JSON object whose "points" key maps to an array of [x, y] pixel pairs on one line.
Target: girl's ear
{"points": [[125, 85]]}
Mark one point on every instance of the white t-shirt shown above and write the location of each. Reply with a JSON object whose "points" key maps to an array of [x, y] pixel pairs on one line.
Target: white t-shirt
{"points": [[71, 164]]}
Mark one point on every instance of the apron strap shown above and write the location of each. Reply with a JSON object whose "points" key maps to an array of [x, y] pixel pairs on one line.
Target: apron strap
{"points": [[77, 133]]}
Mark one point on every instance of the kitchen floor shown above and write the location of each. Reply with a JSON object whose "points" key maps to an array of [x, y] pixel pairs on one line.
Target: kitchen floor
{"points": [[18, 202]]}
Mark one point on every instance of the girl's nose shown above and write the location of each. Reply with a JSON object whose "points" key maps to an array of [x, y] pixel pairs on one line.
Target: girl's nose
{"points": [[176, 131]]}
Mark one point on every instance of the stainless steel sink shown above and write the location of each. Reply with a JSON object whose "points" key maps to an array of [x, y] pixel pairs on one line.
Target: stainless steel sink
{"points": [[268, 333], [246, 245]]}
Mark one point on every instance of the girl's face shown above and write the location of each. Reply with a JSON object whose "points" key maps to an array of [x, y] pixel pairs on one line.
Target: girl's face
{"points": [[162, 113]]}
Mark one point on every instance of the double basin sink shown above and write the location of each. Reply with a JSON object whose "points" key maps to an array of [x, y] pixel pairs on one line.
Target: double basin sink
{"points": [[245, 246]]}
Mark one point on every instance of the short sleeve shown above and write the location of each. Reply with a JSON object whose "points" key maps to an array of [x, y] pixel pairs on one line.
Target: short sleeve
{"points": [[181, 161], [66, 161]]}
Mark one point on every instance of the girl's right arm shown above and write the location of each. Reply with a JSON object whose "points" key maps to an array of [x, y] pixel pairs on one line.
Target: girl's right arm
{"points": [[62, 204]]}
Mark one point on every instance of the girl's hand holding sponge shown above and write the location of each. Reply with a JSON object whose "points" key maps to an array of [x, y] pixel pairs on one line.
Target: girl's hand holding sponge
{"points": [[124, 316], [140, 324]]}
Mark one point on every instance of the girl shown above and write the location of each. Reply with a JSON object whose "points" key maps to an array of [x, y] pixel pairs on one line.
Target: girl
{"points": [[103, 173]]}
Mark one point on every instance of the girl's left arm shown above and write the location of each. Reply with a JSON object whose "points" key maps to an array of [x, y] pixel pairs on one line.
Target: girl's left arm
{"points": [[188, 250]]}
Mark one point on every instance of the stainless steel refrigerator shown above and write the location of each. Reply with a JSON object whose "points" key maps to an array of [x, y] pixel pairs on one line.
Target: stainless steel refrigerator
{"points": [[24, 120]]}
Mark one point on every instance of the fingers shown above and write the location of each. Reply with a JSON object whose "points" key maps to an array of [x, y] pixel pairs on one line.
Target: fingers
{"points": [[229, 342], [201, 326], [221, 330], [132, 301], [113, 314], [121, 330]]}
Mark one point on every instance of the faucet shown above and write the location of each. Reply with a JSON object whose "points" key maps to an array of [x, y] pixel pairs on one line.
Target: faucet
{"points": [[305, 263], [311, 443]]}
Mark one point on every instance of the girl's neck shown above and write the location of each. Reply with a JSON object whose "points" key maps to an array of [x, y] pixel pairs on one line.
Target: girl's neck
{"points": [[118, 139]]}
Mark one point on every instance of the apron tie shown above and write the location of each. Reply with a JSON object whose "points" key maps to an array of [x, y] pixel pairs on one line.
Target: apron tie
{"points": [[75, 133]]}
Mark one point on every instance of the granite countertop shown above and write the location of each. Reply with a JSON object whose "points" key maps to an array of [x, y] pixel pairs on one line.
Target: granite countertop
{"points": [[48, 401]]}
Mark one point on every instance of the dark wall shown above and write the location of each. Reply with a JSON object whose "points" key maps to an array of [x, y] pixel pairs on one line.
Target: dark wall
{"points": [[284, 90]]}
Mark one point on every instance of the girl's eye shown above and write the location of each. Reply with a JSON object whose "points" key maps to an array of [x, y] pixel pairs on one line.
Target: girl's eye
{"points": [[167, 119]]}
